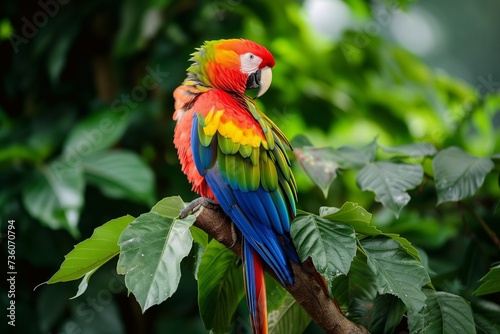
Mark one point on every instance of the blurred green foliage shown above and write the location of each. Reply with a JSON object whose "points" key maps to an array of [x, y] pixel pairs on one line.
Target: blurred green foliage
{"points": [[86, 136]]}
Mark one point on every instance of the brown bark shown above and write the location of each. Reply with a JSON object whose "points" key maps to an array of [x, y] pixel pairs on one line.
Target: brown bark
{"points": [[306, 290]]}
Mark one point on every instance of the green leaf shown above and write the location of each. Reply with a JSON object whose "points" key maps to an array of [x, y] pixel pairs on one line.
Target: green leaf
{"points": [[386, 314], [318, 167], [490, 283], [331, 246], [169, 207], [352, 214], [82, 287], [390, 181], [93, 252], [415, 150], [152, 248], [96, 132], [220, 286], [321, 164], [396, 272], [484, 326], [406, 245], [444, 313], [55, 196], [458, 174], [290, 317], [199, 236], [358, 284], [120, 174]]}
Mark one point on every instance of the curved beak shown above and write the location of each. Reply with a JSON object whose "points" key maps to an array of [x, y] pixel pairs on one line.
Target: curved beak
{"points": [[266, 76]]}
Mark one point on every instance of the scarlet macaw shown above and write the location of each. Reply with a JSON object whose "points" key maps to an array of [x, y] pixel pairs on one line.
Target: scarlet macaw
{"points": [[235, 155]]}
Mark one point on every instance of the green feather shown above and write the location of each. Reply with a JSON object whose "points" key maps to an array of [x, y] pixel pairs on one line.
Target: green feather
{"points": [[246, 150], [268, 174], [227, 145]]}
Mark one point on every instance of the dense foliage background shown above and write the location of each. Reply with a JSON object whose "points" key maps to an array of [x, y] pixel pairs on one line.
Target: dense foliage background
{"points": [[86, 132]]}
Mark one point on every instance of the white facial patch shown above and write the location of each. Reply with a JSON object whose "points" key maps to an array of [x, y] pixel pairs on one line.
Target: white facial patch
{"points": [[249, 63]]}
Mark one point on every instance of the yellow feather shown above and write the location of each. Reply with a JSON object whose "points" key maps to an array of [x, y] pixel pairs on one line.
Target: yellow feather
{"points": [[212, 126]]}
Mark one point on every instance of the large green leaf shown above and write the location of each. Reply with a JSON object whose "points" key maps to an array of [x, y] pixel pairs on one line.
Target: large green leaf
{"points": [[55, 196], [152, 248], [396, 272], [390, 181], [96, 132], [415, 150], [290, 317], [352, 214], [120, 174], [93, 252], [444, 313], [220, 286], [490, 283], [458, 174], [331, 246]]}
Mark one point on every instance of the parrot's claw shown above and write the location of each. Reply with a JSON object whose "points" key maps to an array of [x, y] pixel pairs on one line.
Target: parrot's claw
{"points": [[196, 204], [234, 235]]}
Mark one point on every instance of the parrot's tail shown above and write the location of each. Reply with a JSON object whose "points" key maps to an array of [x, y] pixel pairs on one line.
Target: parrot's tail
{"points": [[255, 289]]}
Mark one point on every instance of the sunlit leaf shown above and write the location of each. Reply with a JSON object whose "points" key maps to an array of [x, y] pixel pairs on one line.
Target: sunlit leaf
{"points": [[290, 317], [444, 313], [169, 207], [220, 286], [390, 181], [458, 174], [331, 246], [93, 252], [396, 272], [352, 214], [490, 283], [152, 248], [120, 174], [55, 196]]}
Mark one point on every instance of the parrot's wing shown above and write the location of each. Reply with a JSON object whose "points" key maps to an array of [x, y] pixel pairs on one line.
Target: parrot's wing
{"points": [[242, 155]]}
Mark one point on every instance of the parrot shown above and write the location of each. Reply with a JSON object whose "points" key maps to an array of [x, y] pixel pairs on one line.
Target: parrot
{"points": [[235, 156]]}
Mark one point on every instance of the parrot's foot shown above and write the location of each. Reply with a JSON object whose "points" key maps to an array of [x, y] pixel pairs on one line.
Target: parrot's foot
{"points": [[195, 205], [234, 235]]}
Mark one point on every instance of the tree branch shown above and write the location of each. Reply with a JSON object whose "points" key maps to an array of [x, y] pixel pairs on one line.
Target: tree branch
{"points": [[306, 291]]}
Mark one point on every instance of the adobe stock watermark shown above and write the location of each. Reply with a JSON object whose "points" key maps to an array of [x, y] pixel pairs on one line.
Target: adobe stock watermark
{"points": [[31, 26], [220, 7], [87, 310], [381, 18], [121, 108], [460, 111]]}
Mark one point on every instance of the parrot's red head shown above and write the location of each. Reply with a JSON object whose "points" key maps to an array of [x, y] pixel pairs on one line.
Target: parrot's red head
{"points": [[232, 65]]}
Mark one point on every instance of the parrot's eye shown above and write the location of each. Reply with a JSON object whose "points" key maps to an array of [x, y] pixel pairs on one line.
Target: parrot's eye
{"points": [[249, 62]]}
